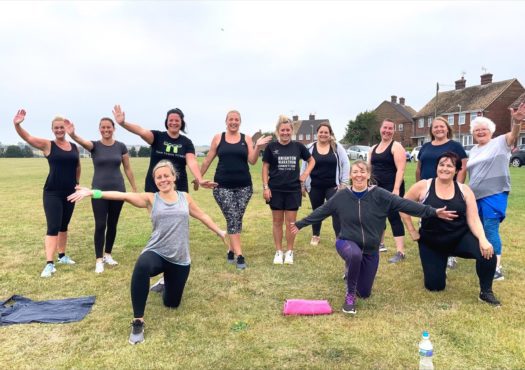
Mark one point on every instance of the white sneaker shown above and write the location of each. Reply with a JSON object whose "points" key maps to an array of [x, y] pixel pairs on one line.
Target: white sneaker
{"points": [[48, 271], [278, 259], [109, 260], [288, 258], [99, 267], [66, 260], [315, 241]]}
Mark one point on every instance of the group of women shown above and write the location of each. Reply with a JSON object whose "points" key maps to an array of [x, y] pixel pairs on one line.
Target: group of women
{"points": [[358, 211]]}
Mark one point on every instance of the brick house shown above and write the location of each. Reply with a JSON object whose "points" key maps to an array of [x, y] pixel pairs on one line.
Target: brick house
{"points": [[462, 105], [401, 114], [305, 131]]}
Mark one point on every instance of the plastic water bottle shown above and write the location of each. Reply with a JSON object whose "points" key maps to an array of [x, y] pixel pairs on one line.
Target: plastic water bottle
{"points": [[425, 352]]}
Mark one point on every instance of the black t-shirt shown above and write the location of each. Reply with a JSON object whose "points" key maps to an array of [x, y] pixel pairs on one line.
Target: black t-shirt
{"points": [[174, 150], [284, 165], [324, 173]]}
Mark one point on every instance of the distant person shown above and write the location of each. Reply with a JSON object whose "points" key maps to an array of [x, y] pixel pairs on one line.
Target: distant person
{"points": [[388, 161], [234, 190], [107, 155], [283, 185], [167, 250], [441, 141], [329, 174], [363, 209], [462, 237], [64, 174], [488, 168]]}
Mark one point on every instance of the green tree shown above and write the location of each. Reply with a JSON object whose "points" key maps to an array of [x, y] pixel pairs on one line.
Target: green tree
{"points": [[14, 151], [144, 151], [27, 152], [133, 152], [363, 130]]}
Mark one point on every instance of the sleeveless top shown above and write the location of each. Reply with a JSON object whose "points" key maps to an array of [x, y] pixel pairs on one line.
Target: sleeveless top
{"points": [[383, 166], [232, 170], [63, 164], [439, 233], [170, 235], [324, 173]]}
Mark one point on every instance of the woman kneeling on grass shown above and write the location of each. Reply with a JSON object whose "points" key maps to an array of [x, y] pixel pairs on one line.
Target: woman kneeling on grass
{"points": [[167, 250], [363, 210], [462, 237]]}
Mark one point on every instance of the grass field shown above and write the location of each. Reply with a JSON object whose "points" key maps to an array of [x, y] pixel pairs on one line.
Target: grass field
{"points": [[232, 319]]}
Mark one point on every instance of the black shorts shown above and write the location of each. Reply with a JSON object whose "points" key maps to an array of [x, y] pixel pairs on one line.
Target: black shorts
{"points": [[285, 201]]}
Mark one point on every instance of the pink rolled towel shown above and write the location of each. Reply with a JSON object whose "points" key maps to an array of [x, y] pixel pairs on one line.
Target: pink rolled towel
{"points": [[306, 307]]}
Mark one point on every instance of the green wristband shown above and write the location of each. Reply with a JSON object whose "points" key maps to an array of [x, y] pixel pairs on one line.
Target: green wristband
{"points": [[97, 194]]}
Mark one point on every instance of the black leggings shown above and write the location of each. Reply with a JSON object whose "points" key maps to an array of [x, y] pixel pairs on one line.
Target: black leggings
{"points": [[58, 212], [106, 214], [393, 217], [317, 199], [151, 264], [434, 262]]}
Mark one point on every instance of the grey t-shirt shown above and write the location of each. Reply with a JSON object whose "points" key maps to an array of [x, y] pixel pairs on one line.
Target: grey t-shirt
{"points": [[488, 168], [107, 160], [171, 230]]}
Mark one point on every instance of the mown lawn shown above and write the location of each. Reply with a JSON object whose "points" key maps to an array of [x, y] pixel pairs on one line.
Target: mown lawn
{"points": [[232, 319]]}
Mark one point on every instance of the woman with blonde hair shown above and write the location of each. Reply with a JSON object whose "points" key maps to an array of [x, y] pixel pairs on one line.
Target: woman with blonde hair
{"points": [[283, 185], [329, 174]]}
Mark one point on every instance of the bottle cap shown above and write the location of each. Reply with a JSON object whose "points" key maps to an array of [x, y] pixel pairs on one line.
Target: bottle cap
{"points": [[425, 334]]}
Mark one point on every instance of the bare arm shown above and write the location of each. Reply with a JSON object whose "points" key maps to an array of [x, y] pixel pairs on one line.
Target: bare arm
{"points": [[518, 117], [199, 214], [309, 168], [70, 129], [212, 153], [78, 172], [43, 144], [139, 200], [462, 174], [414, 193], [120, 118], [267, 193], [253, 153], [474, 223], [418, 171], [400, 161], [129, 172]]}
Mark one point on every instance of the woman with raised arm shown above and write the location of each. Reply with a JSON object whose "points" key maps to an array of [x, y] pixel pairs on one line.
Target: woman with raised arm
{"points": [[488, 168], [363, 210], [329, 174], [170, 145], [64, 174], [462, 237], [234, 190], [283, 185], [107, 155], [167, 250], [388, 161]]}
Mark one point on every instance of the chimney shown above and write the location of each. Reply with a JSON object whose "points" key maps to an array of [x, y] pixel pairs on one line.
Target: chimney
{"points": [[393, 99], [295, 118], [312, 117], [402, 101], [486, 78], [460, 84]]}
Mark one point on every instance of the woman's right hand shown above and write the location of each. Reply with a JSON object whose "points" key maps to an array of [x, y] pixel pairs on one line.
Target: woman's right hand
{"points": [[79, 194], [119, 115], [486, 249], [70, 127], [267, 194], [19, 117]]}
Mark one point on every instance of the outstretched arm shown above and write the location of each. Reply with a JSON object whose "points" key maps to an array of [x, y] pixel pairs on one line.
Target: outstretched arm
{"points": [[199, 214], [194, 168], [70, 129], [120, 118], [140, 200], [43, 144]]}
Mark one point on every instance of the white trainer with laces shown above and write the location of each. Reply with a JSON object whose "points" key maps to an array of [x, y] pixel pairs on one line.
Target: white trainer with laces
{"points": [[107, 259], [278, 259], [48, 271], [66, 260], [288, 258], [99, 267]]}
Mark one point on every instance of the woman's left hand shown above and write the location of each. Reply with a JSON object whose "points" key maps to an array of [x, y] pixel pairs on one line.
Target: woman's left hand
{"points": [[293, 229], [486, 249], [446, 215]]}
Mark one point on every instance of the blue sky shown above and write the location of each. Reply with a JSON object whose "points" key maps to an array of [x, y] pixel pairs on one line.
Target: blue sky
{"points": [[334, 59]]}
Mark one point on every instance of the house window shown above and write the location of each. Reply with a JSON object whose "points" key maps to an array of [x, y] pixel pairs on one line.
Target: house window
{"points": [[400, 127], [461, 119], [421, 123], [300, 136], [429, 121], [473, 115], [315, 136], [294, 137], [307, 136], [467, 140], [451, 119]]}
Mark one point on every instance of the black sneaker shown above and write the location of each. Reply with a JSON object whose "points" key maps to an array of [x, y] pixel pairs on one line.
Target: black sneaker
{"points": [[398, 257], [488, 297], [349, 305], [230, 257], [137, 332], [158, 287], [241, 264]]}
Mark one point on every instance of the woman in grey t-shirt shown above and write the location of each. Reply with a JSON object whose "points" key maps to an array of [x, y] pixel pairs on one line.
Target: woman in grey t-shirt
{"points": [[107, 154]]}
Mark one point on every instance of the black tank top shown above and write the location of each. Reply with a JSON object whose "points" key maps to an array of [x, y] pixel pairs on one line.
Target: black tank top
{"points": [[324, 172], [232, 169], [383, 166], [439, 233], [63, 164]]}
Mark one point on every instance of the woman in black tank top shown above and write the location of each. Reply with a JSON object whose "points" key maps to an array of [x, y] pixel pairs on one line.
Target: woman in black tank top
{"points": [[64, 174], [462, 237], [234, 190], [388, 161]]}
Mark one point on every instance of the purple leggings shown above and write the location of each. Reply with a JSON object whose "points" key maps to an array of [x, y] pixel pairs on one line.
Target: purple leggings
{"points": [[362, 268]]}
